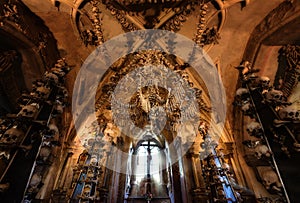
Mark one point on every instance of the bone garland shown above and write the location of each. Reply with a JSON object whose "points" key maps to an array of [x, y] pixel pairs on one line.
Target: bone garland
{"points": [[120, 16], [177, 21], [50, 135], [292, 71], [96, 19], [201, 25]]}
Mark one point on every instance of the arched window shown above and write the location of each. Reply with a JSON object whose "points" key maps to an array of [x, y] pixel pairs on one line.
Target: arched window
{"points": [[147, 162]]}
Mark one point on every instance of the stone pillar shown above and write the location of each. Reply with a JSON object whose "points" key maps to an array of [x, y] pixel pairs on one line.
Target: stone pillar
{"points": [[197, 191], [178, 177], [104, 188], [115, 181], [163, 174], [133, 185]]}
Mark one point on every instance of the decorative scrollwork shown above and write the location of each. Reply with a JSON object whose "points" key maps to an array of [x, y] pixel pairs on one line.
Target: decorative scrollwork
{"points": [[291, 75], [7, 59], [210, 36], [201, 25], [120, 16], [97, 23], [176, 22]]}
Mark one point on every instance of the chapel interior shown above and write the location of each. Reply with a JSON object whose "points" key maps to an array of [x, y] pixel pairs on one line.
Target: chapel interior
{"points": [[161, 101]]}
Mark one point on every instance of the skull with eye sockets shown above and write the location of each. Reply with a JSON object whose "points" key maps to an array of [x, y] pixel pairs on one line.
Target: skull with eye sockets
{"points": [[289, 113], [29, 110], [254, 129], [12, 136], [275, 96]]}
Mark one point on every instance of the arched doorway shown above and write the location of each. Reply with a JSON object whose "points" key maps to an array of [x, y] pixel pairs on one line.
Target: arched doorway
{"points": [[148, 179]]}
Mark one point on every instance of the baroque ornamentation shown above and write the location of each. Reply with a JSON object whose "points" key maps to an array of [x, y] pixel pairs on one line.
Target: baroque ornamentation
{"points": [[153, 95], [11, 12], [97, 23], [14, 14], [291, 75], [273, 19], [176, 22], [201, 25], [121, 17]]}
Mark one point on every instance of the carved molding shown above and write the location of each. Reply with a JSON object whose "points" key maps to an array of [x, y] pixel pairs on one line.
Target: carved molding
{"points": [[7, 59], [121, 18], [17, 19], [171, 17], [278, 17], [290, 79]]}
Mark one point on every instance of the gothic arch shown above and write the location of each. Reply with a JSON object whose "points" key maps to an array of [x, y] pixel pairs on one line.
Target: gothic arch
{"points": [[285, 13]]}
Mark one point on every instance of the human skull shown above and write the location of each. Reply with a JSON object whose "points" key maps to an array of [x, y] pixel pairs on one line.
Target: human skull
{"points": [[264, 81], [90, 174], [204, 7], [246, 107], [37, 83], [5, 154], [241, 91], [61, 61], [203, 13], [57, 71], [58, 66], [275, 96], [289, 113], [35, 180], [262, 150], [45, 153], [97, 26], [4, 186], [95, 9], [242, 95], [29, 110], [87, 190], [270, 177], [126, 24], [53, 128], [98, 32], [185, 76], [12, 136], [113, 12], [51, 77], [253, 128], [59, 108], [176, 21], [41, 92], [94, 159]]}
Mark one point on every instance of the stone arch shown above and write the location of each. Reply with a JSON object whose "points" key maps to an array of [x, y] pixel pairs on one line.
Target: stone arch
{"points": [[286, 13]]}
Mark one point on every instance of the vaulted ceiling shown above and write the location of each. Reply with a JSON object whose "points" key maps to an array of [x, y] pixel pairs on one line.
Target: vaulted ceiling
{"points": [[229, 31]]}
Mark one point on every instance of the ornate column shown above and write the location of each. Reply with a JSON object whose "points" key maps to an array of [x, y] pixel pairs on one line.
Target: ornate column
{"points": [[197, 191], [178, 176], [105, 176], [163, 172]]}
